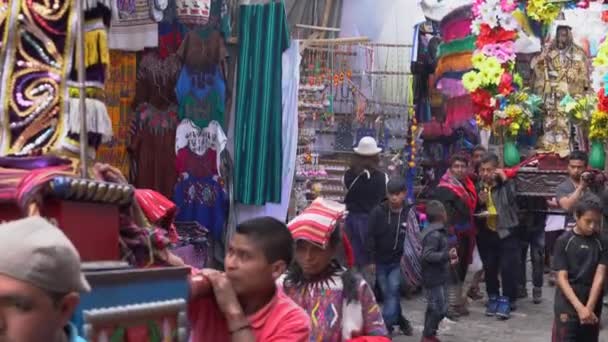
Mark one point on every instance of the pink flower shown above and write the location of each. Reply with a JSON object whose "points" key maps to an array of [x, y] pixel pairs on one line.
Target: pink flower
{"points": [[508, 5], [502, 51], [476, 7]]}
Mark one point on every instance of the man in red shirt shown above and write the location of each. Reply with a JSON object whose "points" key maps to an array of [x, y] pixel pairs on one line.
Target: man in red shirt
{"points": [[246, 305]]}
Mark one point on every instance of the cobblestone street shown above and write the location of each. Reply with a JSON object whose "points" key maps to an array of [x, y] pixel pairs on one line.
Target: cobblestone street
{"points": [[530, 323]]}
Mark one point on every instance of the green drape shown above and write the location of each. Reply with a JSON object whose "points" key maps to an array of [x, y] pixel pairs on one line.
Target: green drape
{"points": [[263, 36]]}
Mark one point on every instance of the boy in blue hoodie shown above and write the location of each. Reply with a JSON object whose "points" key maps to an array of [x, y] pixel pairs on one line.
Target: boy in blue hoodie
{"points": [[436, 259]]}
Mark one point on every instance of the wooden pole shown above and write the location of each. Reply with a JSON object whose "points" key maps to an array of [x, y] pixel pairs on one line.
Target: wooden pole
{"points": [[82, 91]]}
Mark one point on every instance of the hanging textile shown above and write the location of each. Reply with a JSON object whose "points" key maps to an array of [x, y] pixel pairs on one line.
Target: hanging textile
{"points": [[291, 85], [34, 85], [263, 37], [133, 28], [151, 148], [207, 16], [120, 92]]}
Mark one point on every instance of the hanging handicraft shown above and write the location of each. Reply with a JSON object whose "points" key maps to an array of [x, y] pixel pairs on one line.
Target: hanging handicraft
{"points": [[38, 46]]}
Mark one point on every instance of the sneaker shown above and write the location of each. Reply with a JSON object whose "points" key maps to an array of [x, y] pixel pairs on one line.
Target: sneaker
{"points": [[537, 295], [429, 339], [492, 306], [503, 311], [406, 327]]}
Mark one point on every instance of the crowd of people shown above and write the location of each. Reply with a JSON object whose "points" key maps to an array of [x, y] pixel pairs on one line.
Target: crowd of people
{"points": [[335, 272]]}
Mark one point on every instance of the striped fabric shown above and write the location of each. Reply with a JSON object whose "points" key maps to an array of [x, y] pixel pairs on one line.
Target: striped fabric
{"points": [[317, 222]]}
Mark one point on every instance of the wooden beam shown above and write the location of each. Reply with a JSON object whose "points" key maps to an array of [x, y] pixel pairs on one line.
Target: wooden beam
{"points": [[319, 28]]}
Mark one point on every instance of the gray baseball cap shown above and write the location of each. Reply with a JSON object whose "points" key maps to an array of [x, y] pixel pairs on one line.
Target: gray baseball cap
{"points": [[35, 251]]}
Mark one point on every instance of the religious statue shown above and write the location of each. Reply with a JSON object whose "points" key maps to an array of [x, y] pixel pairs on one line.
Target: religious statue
{"points": [[560, 70]]}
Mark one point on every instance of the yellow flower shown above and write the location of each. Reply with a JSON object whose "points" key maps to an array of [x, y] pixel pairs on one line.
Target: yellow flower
{"points": [[599, 61], [471, 81], [485, 77], [478, 60], [492, 63]]}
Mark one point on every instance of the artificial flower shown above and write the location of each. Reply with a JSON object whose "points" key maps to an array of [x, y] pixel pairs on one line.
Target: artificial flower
{"points": [[543, 10], [505, 86], [518, 80], [509, 23], [602, 99], [477, 60], [471, 81], [503, 52], [508, 5], [598, 129], [487, 35]]}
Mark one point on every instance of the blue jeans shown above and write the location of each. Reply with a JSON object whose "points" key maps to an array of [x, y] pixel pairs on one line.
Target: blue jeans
{"points": [[436, 309], [389, 278]]}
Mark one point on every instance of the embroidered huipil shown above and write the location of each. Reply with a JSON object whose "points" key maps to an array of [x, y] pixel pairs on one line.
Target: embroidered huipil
{"points": [[332, 318]]}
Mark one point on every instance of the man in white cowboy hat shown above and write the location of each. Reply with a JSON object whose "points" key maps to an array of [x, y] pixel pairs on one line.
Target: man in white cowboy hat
{"points": [[366, 188], [40, 282]]}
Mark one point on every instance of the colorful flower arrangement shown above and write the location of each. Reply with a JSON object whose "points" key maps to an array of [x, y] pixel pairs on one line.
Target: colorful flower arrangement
{"points": [[543, 11], [598, 128], [579, 108], [493, 79], [516, 114]]}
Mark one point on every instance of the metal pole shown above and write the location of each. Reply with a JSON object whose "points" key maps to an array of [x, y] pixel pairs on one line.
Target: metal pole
{"points": [[82, 90]]}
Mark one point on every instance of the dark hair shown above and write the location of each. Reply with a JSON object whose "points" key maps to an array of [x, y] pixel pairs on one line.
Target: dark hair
{"points": [[458, 158], [359, 163], [490, 158], [587, 204], [435, 211], [578, 155], [396, 186], [479, 148], [295, 274], [271, 235]]}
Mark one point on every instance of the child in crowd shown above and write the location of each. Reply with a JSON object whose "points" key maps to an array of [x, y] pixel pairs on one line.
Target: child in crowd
{"points": [[340, 303], [388, 230], [436, 257], [580, 260]]}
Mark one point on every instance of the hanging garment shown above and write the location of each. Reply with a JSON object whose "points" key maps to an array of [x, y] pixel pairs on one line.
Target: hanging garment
{"points": [[192, 164], [152, 148], [291, 84], [258, 155], [38, 62], [201, 95], [201, 200], [120, 92], [133, 28], [209, 142], [206, 15]]}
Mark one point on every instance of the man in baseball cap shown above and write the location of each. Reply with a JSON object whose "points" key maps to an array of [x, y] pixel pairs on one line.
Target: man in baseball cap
{"points": [[40, 282]]}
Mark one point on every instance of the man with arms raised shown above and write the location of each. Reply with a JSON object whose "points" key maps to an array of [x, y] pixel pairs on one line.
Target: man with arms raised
{"points": [[246, 305]]}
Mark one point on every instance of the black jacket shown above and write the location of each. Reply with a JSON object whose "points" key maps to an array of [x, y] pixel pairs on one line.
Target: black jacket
{"points": [[364, 193], [387, 232], [435, 255]]}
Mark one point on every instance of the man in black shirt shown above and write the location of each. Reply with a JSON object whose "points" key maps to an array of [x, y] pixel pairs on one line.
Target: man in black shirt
{"points": [[580, 260]]}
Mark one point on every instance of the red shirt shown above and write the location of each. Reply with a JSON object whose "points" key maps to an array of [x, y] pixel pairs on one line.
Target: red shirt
{"points": [[281, 320]]}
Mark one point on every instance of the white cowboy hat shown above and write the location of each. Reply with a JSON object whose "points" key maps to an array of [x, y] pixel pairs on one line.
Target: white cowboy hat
{"points": [[367, 147]]}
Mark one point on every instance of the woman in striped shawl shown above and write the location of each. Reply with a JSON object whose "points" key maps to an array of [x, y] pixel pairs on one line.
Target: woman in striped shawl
{"points": [[340, 303]]}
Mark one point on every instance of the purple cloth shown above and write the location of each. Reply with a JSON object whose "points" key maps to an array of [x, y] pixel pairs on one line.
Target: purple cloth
{"points": [[357, 228], [32, 163]]}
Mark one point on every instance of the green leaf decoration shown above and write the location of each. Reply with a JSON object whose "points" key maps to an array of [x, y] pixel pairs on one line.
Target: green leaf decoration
{"points": [[154, 332], [118, 335]]}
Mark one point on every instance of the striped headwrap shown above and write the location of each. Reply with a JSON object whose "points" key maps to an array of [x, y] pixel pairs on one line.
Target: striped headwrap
{"points": [[317, 222]]}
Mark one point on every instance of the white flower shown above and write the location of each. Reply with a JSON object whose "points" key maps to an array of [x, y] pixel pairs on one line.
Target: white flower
{"points": [[476, 26], [492, 21], [508, 22]]}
